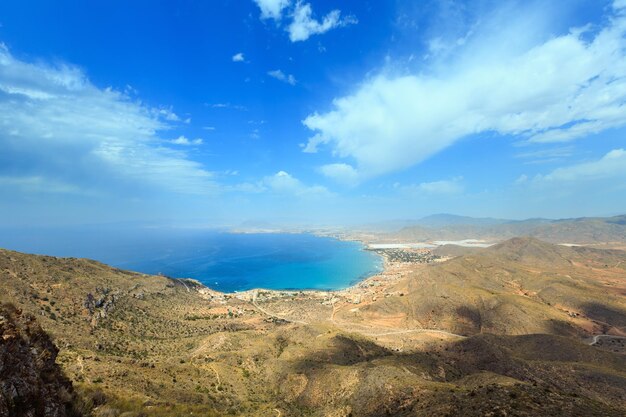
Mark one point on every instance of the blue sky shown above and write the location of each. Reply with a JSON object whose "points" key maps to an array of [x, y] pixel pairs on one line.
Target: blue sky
{"points": [[310, 112]]}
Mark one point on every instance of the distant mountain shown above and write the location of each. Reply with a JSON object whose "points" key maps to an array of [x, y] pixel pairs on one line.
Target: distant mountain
{"points": [[444, 219], [386, 226], [586, 230], [621, 220]]}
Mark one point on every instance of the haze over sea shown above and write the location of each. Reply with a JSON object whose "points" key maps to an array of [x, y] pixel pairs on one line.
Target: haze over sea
{"points": [[223, 261]]}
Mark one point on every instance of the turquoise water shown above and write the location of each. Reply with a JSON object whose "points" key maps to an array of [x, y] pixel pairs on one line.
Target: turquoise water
{"points": [[236, 262], [223, 261]]}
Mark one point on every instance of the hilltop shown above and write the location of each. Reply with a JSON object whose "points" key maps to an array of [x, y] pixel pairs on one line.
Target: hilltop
{"points": [[503, 330]]}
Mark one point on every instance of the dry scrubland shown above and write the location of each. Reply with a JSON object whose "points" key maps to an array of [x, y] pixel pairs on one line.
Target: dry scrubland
{"points": [[499, 331]]}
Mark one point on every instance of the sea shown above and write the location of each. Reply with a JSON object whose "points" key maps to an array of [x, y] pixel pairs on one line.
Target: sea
{"points": [[227, 262]]}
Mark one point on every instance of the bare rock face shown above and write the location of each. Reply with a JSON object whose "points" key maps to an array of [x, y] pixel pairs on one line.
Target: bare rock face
{"points": [[31, 383]]}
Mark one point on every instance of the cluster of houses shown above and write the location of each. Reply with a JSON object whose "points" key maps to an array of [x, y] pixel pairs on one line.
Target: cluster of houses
{"points": [[412, 256]]}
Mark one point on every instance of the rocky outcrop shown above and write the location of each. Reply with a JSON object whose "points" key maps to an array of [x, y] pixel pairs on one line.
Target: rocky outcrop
{"points": [[99, 307], [31, 383]]}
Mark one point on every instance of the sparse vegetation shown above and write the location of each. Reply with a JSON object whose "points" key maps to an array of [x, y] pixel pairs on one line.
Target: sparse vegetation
{"points": [[137, 345]]}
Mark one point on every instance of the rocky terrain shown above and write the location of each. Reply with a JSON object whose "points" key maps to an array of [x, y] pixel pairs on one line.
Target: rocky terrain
{"points": [[31, 382], [507, 330]]}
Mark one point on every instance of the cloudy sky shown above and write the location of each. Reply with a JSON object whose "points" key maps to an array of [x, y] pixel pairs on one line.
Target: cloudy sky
{"points": [[310, 112]]}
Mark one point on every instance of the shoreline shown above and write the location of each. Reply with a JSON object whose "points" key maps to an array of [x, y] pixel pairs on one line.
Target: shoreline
{"points": [[366, 245], [290, 292], [384, 267], [364, 291]]}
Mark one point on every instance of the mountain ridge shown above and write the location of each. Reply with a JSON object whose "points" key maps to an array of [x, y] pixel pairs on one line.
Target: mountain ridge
{"points": [[586, 230]]}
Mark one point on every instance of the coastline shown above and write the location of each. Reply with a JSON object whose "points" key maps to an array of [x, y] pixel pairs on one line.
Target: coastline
{"points": [[382, 278], [383, 265], [289, 262], [365, 290]]}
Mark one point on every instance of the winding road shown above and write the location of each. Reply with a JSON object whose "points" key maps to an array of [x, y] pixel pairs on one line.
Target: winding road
{"points": [[343, 325], [264, 311], [595, 338], [416, 331], [217, 374]]}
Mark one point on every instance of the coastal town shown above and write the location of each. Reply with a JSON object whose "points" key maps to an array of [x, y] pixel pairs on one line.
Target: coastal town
{"points": [[418, 256]]}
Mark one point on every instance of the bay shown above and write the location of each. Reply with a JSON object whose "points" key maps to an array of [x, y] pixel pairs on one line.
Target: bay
{"points": [[225, 262]]}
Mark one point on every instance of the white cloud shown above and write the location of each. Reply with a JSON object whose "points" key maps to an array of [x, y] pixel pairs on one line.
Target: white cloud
{"points": [[451, 186], [58, 128], [37, 184], [304, 25], [283, 182], [227, 106], [181, 140], [342, 173], [272, 8], [522, 179], [546, 155], [502, 79], [169, 115], [610, 166], [238, 57], [281, 76]]}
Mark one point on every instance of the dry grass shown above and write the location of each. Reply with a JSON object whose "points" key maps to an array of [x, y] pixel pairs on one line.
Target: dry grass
{"points": [[148, 346]]}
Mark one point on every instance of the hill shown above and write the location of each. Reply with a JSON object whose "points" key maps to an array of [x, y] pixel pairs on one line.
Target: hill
{"points": [[520, 286], [504, 339], [451, 250], [585, 231]]}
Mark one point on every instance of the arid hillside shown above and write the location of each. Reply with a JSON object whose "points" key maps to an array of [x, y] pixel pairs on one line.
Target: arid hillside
{"points": [[521, 286], [601, 231], [505, 330]]}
